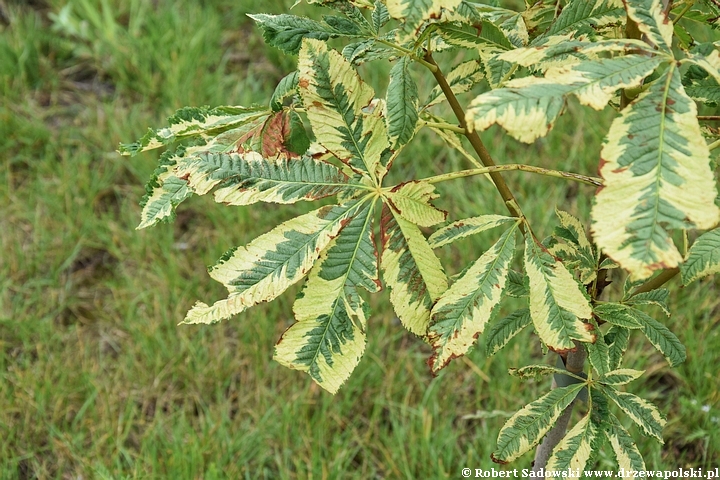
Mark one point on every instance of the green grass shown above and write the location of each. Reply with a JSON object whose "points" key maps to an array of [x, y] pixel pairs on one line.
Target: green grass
{"points": [[96, 379]]}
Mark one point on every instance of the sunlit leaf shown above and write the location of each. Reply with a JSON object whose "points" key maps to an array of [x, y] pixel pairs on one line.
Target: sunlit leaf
{"points": [[703, 258], [526, 428], [466, 227], [528, 107], [655, 166], [411, 271], [461, 313], [652, 20], [574, 450], [557, 302], [643, 413], [336, 102], [412, 201], [195, 121], [267, 266]]}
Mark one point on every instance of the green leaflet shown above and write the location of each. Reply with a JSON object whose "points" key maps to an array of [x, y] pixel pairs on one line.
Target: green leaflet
{"points": [[195, 121], [577, 253], [583, 17], [164, 191], [411, 200], [528, 107], [247, 178], [462, 312], [535, 371], [705, 91], [411, 270], [621, 376], [415, 13], [657, 177], [526, 428], [652, 21], [663, 339], [287, 88], [380, 15], [487, 39], [657, 297], [560, 50], [366, 51], [402, 104], [617, 314], [329, 337], [574, 451], [556, 300], [502, 331], [598, 353], [335, 99], [461, 79], [626, 452], [466, 227], [643, 413], [518, 284], [703, 258], [287, 32], [618, 339], [267, 266]]}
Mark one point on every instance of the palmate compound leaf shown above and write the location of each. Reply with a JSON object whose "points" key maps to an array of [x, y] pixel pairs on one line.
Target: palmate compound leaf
{"points": [[575, 449], [528, 107], [337, 103], [526, 428], [411, 270], [462, 312], [329, 337], [656, 170], [703, 258], [196, 121], [267, 266], [643, 413], [557, 302]]}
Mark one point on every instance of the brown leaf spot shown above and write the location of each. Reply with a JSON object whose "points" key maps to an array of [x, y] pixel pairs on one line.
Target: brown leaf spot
{"points": [[303, 83], [497, 460]]}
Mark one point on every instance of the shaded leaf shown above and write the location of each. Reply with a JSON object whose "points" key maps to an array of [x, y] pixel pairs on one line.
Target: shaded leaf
{"points": [[402, 104], [503, 330], [466, 227], [703, 258]]}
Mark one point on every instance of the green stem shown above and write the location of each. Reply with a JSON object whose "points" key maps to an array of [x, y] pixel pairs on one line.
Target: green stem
{"points": [[474, 139], [410, 53], [445, 126], [714, 145], [597, 182], [657, 282], [688, 6], [508, 74]]}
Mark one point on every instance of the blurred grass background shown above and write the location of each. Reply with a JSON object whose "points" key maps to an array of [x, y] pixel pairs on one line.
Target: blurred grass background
{"points": [[96, 379]]}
